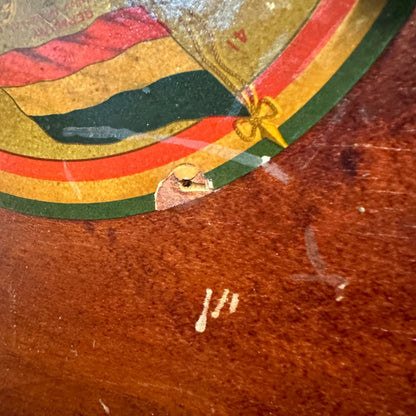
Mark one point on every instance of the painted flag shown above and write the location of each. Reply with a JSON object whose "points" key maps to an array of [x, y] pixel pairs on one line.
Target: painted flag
{"points": [[121, 76]]}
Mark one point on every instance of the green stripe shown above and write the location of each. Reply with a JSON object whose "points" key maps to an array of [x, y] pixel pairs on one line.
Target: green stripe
{"points": [[383, 29], [185, 96], [95, 211]]}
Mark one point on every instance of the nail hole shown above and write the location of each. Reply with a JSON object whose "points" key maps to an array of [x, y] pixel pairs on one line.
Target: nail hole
{"points": [[186, 183]]}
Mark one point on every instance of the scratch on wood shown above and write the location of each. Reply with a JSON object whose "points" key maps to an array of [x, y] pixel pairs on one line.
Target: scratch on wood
{"points": [[403, 237], [409, 335], [368, 146], [13, 303], [339, 283], [309, 161], [389, 192]]}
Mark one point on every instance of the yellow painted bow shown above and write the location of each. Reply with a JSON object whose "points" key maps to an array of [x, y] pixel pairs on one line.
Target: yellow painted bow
{"points": [[262, 121]]}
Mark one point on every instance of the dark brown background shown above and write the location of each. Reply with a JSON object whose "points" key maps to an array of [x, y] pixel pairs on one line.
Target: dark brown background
{"points": [[106, 310]]}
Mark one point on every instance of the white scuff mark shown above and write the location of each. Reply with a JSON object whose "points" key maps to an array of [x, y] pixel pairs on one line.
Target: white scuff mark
{"points": [[219, 17], [201, 324], [221, 304], [277, 172], [265, 159], [339, 283], [309, 161], [312, 250], [402, 237], [394, 149], [197, 190], [75, 352], [99, 132], [407, 334], [361, 209], [234, 303], [367, 146], [46, 21], [165, 387], [13, 307], [243, 158], [389, 192], [105, 407], [397, 331], [339, 292], [72, 181], [270, 5]]}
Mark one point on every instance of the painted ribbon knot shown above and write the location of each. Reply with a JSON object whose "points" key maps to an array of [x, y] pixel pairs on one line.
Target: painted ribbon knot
{"points": [[262, 121]]}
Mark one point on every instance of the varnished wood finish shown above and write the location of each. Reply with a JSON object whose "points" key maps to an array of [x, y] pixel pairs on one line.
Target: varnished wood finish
{"points": [[100, 316]]}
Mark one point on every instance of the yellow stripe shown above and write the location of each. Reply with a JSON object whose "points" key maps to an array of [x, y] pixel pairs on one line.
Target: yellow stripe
{"points": [[119, 188], [332, 56], [344, 41], [137, 67]]}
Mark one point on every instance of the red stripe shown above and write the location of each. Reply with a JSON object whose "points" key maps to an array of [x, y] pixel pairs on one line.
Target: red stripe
{"points": [[167, 151], [107, 37], [287, 66], [303, 49]]}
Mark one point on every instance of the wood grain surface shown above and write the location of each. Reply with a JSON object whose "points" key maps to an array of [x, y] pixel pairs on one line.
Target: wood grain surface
{"points": [[100, 317]]}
